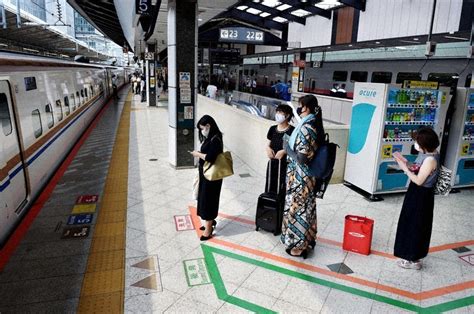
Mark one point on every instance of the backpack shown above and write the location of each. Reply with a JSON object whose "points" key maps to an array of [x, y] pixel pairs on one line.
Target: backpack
{"points": [[322, 165]]}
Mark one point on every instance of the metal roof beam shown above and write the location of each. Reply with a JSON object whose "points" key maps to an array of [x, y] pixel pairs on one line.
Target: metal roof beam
{"points": [[254, 19], [308, 7], [274, 12], [356, 4]]}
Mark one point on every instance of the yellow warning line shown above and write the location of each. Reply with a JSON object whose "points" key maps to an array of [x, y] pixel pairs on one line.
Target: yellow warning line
{"points": [[103, 287]]}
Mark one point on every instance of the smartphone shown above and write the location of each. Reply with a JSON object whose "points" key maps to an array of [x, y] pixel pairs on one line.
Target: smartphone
{"points": [[399, 156]]}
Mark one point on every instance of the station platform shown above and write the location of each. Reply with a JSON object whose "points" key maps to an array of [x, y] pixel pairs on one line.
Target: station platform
{"points": [[116, 231]]}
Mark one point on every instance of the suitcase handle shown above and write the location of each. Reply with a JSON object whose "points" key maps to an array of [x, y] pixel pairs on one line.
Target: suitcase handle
{"points": [[267, 188]]}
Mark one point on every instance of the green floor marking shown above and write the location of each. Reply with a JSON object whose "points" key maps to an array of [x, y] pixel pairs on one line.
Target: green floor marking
{"points": [[223, 295], [221, 291]]}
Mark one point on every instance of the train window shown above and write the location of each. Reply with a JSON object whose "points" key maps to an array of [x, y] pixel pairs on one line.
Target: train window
{"points": [[85, 92], [444, 79], [359, 76], [59, 110], [339, 76], [381, 77], [66, 105], [408, 76], [78, 99], [73, 101], [82, 96], [36, 119], [468, 80], [5, 115], [92, 91], [49, 115]]}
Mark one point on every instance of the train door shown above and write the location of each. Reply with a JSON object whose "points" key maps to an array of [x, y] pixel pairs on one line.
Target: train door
{"points": [[13, 187]]}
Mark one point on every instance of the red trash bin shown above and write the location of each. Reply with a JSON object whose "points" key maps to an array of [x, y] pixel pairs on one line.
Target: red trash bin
{"points": [[358, 234]]}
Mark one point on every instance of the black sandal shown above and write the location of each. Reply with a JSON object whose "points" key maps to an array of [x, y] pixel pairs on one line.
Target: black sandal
{"points": [[303, 254], [204, 238], [214, 223]]}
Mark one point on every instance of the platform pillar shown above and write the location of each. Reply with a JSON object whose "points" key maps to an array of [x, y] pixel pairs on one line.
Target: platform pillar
{"points": [[182, 71]]}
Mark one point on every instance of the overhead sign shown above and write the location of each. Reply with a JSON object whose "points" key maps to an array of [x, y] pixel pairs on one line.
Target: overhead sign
{"points": [[241, 34]]}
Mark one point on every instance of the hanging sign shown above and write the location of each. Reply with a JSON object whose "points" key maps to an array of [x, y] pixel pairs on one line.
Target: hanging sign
{"points": [[241, 34]]}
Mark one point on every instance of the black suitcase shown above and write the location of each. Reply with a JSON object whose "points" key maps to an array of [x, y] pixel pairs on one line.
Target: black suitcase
{"points": [[270, 206]]}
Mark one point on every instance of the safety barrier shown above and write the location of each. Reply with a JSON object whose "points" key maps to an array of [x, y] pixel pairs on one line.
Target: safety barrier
{"points": [[246, 135]]}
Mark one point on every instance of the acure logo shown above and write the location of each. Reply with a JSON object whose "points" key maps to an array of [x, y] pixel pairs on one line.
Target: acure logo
{"points": [[367, 93]]}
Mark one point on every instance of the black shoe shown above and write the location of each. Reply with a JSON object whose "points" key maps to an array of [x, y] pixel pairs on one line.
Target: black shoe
{"points": [[303, 254], [214, 223], [312, 244], [204, 238]]}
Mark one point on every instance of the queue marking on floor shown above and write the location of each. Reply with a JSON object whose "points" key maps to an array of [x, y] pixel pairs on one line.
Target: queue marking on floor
{"points": [[434, 249], [411, 295], [103, 287]]}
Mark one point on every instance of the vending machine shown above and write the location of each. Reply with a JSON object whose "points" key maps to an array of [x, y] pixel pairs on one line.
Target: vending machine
{"points": [[460, 151], [384, 118]]}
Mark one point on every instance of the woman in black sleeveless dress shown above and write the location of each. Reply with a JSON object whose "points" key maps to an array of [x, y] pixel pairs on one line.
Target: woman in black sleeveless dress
{"points": [[412, 241], [209, 191]]}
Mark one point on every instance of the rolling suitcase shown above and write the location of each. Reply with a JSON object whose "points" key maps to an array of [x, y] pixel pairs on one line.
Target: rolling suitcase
{"points": [[270, 205]]}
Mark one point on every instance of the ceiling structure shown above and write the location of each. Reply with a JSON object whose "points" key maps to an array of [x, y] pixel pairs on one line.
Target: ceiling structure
{"points": [[35, 37]]}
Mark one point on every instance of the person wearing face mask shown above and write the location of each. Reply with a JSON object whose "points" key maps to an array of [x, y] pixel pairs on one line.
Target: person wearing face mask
{"points": [[299, 216], [274, 149], [412, 241], [208, 191]]}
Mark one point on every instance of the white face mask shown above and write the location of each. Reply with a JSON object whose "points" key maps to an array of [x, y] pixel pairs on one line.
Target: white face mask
{"points": [[205, 132], [417, 147], [279, 117]]}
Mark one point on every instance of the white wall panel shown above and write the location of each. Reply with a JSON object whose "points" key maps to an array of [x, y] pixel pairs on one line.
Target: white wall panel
{"points": [[316, 32], [401, 18]]}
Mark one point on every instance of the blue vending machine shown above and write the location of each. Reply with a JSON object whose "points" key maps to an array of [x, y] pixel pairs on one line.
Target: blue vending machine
{"points": [[384, 118], [460, 152]]}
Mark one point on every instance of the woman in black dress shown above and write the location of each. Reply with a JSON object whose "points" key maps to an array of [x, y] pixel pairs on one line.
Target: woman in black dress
{"points": [[275, 151], [209, 191], [416, 218]]}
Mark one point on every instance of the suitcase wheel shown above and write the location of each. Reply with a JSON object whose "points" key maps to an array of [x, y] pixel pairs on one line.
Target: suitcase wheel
{"points": [[257, 228]]}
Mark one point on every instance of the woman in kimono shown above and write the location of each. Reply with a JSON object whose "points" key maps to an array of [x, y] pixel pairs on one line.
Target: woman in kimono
{"points": [[209, 191], [299, 216]]}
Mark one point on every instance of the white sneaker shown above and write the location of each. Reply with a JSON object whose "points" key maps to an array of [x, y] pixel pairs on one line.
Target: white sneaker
{"points": [[403, 263]]}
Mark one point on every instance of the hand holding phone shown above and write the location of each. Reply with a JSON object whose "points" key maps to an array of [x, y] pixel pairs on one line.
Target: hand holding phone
{"points": [[399, 156]]}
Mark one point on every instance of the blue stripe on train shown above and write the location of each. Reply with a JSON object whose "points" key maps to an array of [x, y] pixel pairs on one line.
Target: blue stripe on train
{"points": [[48, 144]]}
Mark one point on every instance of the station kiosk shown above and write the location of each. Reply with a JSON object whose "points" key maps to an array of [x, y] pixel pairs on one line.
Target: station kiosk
{"points": [[460, 152], [384, 118]]}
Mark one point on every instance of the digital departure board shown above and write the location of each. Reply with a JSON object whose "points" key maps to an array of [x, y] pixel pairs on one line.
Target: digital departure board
{"points": [[241, 34]]}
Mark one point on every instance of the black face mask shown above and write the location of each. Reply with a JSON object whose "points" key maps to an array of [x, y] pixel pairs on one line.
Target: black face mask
{"points": [[299, 110]]}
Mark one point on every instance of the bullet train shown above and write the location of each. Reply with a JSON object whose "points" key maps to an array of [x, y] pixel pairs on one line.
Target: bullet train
{"points": [[45, 106]]}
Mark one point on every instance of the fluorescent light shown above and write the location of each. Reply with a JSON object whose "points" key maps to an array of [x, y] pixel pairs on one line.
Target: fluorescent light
{"points": [[415, 39], [377, 42], [271, 3], [253, 11], [264, 14], [283, 7], [454, 37], [300, 13], [328, 4], [242, 7], [199, 19], [280, 19]]}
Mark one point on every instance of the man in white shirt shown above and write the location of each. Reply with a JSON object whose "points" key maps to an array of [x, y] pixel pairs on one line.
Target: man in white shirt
{"points": [[211, 91]]}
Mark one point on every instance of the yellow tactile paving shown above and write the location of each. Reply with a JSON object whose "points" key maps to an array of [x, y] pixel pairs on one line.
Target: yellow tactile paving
{"points": [[112, 216], [104, 281], [107, 244], [108, 260], [102, 303]]}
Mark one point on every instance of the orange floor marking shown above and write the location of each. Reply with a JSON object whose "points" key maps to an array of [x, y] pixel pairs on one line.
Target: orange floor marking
{"points": [[411, 295], [322, 240]]}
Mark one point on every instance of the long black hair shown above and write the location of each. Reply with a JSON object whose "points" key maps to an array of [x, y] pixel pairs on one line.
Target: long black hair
{"points": [[311, 102], [214, 131]]}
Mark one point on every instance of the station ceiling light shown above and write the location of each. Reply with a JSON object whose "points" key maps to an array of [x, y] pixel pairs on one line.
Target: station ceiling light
{"points": [[242, 8], [253, 11], [301, 13], [280, 19], [271, 3], [264, 14], [283, 7], [328, 4]]}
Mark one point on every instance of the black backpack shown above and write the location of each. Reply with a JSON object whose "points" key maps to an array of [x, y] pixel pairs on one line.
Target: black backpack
{"points": [[322, 165]]}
